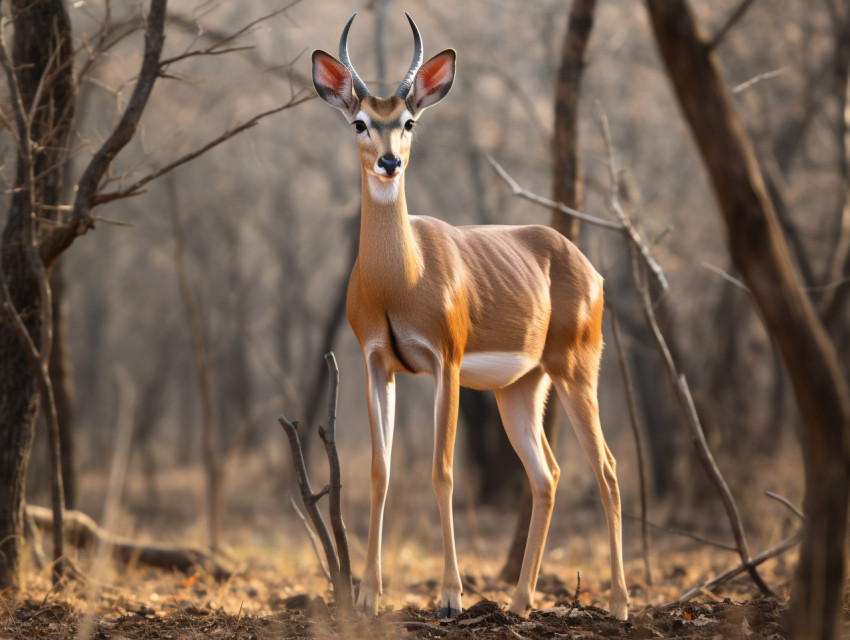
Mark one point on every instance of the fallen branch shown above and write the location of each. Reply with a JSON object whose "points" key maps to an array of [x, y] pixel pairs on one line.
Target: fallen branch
{"points": [[428, 627], [84, 533], [750, 565]]}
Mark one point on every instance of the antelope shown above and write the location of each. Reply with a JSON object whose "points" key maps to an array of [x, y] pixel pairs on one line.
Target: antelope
{"points": [[515, 309]]}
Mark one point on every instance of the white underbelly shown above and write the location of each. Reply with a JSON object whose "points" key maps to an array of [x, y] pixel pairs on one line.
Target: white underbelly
{"points": [[494, 369]]}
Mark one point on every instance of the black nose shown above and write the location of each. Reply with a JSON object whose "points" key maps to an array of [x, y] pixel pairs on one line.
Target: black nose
{"points": [[389, 163]]}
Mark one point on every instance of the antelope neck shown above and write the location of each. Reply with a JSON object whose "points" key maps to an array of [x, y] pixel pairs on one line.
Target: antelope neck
{"points": [[390, 260]]}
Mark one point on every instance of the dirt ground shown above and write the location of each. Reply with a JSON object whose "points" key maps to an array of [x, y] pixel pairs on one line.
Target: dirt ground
{"points": [[278, 590], [272, 599], [310, 618]]}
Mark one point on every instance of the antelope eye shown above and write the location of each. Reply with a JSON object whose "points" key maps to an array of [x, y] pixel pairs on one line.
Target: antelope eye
{"points": [[408, 126], [359, 126]]}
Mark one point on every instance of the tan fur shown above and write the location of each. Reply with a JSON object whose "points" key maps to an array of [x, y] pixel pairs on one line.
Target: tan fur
{"points": [[423, 295]]}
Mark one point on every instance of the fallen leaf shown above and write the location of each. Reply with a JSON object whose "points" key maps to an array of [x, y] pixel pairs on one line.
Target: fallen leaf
{"points": [[188, 582]]}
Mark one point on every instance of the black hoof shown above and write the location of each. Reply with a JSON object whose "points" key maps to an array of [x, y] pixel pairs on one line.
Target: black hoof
{"points": [[448, 612]]}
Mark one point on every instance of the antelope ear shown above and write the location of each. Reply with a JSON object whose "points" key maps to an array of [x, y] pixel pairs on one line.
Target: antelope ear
{"points": [[432, 81], [333, 83]]}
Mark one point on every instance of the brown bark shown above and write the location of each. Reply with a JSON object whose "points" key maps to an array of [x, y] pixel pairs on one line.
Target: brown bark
{"points": [[566, 188], [567, 178], [761, 255], [42, 54], [838, 265]]}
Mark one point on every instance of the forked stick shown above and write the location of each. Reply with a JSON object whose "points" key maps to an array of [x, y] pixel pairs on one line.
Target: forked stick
{"points": [[338, 560]]}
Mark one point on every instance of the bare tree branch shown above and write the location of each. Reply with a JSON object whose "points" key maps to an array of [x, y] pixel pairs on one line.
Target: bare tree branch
{"points": [[220, 37], [727, 277], [761, 255], [314, 540], [626, 229], [136, 188], [547, 203], [223, 39], [637, 243], [685, 534], [677, 379], [787, 503], [733, 19], [80, 221], [633, 420], [111, 35], [767, 75]]}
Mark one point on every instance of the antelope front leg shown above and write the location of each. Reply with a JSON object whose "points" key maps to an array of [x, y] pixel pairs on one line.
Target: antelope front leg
{"points": [[447, 392], [381, 401]]}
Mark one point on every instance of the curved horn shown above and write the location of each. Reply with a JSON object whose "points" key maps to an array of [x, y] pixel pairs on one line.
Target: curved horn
{"points": [[359, 86], [407, 82]]}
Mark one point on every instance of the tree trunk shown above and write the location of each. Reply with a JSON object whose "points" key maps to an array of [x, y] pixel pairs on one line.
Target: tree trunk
{"points": [[568, 173], [42, 49], [760, 253], [567, 188], [203, 371], [18, 398]]}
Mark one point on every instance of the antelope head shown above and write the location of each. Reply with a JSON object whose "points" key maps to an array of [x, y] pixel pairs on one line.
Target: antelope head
{"points": [[383, 126]]}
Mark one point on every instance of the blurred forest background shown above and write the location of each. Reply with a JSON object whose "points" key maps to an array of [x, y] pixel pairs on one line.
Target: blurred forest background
{"points": [[259, 235]]}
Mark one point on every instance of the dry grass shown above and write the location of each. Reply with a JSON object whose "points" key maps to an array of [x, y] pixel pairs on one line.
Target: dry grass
{"points": [[279, 591]]}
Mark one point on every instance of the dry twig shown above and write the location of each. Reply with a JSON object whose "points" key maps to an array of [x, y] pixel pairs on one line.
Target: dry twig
{"points": [[679, 382], [733, 19], [339, 564], [623, 227], [636, 433], [750, 566], [328, 437], [314, 540]]}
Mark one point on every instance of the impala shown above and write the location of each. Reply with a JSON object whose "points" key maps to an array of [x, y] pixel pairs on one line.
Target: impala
{"points": [[516, 309]]}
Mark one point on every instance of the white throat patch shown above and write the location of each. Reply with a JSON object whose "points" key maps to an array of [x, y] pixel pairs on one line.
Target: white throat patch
{"points": [[381, 191]]}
